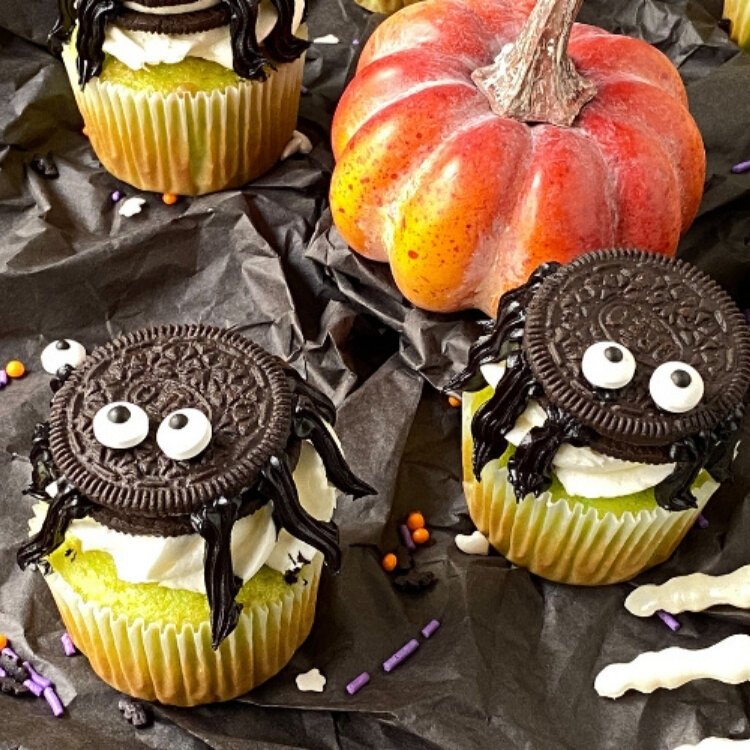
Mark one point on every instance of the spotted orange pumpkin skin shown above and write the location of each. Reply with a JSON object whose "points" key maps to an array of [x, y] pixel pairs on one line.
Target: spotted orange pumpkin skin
{"points": [[463, 203]]}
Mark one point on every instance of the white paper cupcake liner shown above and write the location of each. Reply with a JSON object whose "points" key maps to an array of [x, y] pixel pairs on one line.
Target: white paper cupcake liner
{"points": [[190, 143], [155, 662]]}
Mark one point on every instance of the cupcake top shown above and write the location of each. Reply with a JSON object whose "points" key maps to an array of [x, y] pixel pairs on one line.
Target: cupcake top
{"points": [[639, 356], [184, 430], [247, 36]]}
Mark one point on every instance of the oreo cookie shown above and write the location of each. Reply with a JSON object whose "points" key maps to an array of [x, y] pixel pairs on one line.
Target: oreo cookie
{"points": [[639, 356], [189, 22], [183, 430]]}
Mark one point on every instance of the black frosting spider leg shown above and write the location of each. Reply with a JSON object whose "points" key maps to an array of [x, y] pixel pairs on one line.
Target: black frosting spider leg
{"points": [[726, 437], [319, 400], [93, 16], [530, 467], [214, 523], [505, 331], [281, 43], [43, 471], [64, 24], [308, 425], [58, 381], [247, 60], [277, 484], [498, 415], [67, 505]]}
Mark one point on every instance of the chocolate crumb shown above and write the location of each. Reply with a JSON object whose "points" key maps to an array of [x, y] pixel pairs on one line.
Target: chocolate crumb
{"points": [[137, 713], [9, 686], [404, 558], [13, 667], [45, 166], [415, 581]]}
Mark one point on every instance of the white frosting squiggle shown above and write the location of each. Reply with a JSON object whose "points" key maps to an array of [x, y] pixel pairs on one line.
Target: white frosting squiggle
{"points": [[177, 562], [137, 49], [717, 743], [582, 471]]}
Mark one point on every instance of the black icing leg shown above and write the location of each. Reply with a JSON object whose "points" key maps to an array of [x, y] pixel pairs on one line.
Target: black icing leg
{"points": [[214, 522], [281, 42], [93, 15], [321, 403], [505, 330], [62, 374], [278, 485], [43, 471], [689, 455], [66, 506], [63, 25], [309, 426], [530, 467], [248, 62], [498, 415], [725, 440]]}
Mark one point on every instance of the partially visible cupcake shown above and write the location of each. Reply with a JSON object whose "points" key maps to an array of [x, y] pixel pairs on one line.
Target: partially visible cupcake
{"points": [[738, 13], [185, 511], [385, 6], [185, 96], [603, 408]]}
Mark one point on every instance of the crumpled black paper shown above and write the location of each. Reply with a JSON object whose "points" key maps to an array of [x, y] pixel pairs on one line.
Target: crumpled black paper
{"points": [[513, 663]]}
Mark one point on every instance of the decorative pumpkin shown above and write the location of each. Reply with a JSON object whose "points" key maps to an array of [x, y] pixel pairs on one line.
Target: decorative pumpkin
{"points": [[466, 163], [738, 12]]}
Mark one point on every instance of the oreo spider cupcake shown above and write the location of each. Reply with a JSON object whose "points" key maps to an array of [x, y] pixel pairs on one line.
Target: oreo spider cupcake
{"points": [[185, 96], [603, 408], [184, 511]]}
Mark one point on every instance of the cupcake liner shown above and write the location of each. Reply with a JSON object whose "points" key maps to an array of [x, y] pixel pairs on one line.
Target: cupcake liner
{"points": [[179, 667], [385, 6], [190, 143], [738, 11], [565, 541]]}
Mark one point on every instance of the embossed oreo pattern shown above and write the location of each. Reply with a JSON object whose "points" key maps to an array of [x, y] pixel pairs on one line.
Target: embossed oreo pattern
{"points": [[660, 309], [241, 388]]}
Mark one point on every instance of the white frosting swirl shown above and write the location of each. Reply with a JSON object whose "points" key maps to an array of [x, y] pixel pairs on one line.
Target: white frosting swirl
{"points": [[137, 49], [177, 562], [582, 471]]}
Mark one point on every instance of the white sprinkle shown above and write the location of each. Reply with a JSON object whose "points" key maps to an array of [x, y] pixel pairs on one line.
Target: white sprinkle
{"points": [[717, 743], [51, 489], [327, 39], [131, 206], [311, 682], [473, 544], [299, 143]]}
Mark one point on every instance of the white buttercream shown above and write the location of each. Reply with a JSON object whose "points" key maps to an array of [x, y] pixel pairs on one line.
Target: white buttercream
{"points": [[177, 562], [137, 49], [172, 10], [582, 471]]}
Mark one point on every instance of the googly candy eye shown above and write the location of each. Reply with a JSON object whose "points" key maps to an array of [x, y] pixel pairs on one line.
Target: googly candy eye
{"points": [[184, 434], [120, 425], [608, 364], [60, 353], [676, 387]]}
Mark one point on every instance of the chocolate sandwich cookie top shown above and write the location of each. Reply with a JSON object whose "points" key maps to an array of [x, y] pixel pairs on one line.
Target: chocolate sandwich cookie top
{"points": [[187, 21], [661, 310], [240, 388]]}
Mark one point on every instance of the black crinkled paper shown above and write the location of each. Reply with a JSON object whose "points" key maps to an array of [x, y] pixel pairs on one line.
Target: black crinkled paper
{"points": [[513, 663]]}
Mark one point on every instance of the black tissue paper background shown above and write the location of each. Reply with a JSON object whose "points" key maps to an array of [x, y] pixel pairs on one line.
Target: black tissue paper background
{"points": [[513, 663]]}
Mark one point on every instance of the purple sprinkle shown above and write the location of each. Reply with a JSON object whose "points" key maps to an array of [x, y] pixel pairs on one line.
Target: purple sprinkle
{"points": [[406, 536], [34, 687], [358, 683], [401, 655], [40, 679], [3, 378], [355, 42], [68, 646], [54, 702], [3, 673], [8, 651], [743, 166], [116, 196], [701, 521], [430, 628], [671, 622], [304, 90]]}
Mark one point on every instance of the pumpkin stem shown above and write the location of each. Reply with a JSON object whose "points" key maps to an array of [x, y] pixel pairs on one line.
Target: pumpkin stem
{"points": [[533, 79]]}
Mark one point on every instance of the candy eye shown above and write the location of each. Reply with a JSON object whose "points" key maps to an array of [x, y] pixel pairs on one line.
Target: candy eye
{"points": [[120, 425], [184, 434], [676, 387], [60, 353], [607, 364]]}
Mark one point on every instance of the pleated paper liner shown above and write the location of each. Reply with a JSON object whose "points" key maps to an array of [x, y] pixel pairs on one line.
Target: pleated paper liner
{"points": [[562, 540], [738, 11], [180, 668], [385, 6], [190, 143]]}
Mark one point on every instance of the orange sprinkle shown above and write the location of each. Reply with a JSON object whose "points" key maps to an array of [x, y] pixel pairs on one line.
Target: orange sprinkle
{"points": [[420, 536], [3, 641], [15, 369], [454, 402], [170, 198], [389, 562], [415, 521]]}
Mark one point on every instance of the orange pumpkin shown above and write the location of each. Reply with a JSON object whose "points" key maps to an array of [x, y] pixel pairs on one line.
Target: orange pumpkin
{"points": [[470, 147]]}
